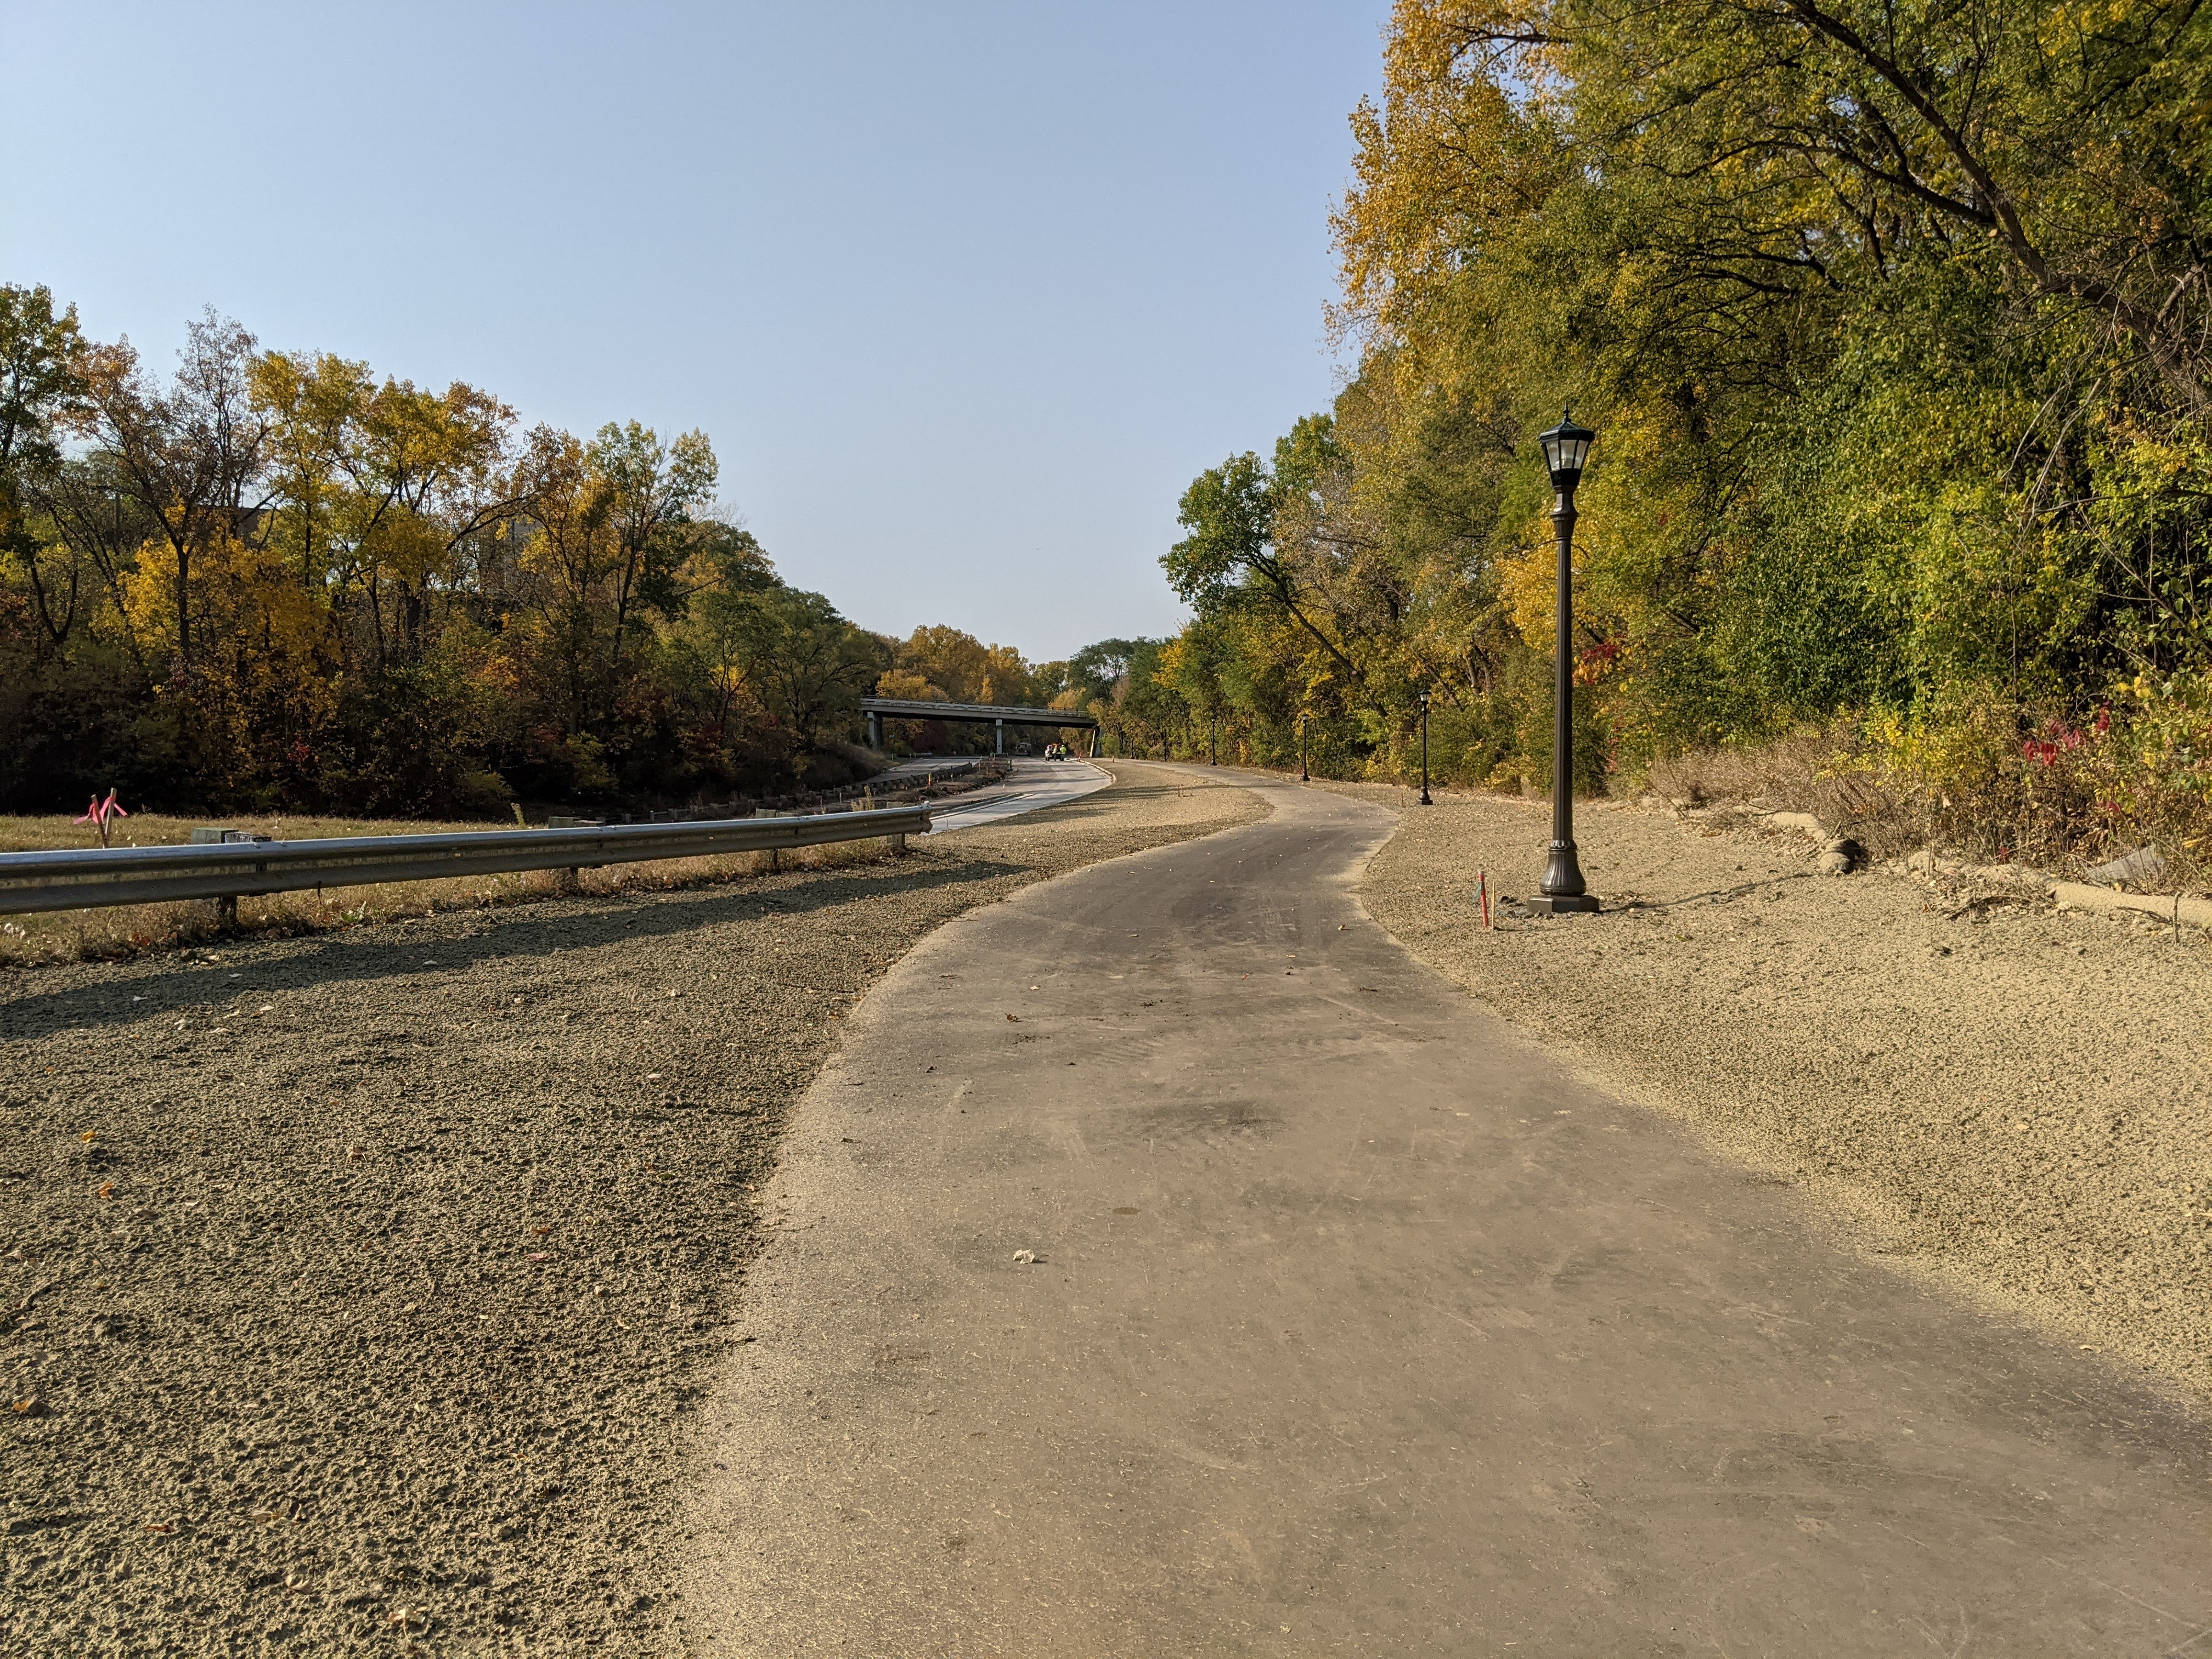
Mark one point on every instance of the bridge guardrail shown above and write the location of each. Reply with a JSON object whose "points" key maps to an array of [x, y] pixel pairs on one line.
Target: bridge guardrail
{"points": [[80, 878]]}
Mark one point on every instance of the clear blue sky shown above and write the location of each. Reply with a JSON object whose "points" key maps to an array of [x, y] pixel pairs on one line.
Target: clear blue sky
{"points": [[964, 294]]}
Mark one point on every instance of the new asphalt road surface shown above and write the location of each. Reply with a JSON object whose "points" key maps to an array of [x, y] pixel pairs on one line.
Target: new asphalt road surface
{"points": [[1169, 1265]]}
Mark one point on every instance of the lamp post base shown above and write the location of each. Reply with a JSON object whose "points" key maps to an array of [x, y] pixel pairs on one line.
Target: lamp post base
{"points": [[1563, 904]]}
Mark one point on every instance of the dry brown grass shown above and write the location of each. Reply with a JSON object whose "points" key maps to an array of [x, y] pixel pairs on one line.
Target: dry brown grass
{"points": [[1823, 773], [1975, 793], [55, 832]]}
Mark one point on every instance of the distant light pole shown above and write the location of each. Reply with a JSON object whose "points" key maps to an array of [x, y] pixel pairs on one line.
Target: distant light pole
{"points": [[1426, 801], [1305, 777], [1563, 891]]}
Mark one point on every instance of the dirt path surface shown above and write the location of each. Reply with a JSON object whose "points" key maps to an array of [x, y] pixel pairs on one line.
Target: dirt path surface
{"points": [[1169, 1263], [355, 1290], [2015, 1098]]}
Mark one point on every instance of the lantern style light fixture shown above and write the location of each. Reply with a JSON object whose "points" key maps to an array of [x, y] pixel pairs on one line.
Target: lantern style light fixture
{"points": [[1426, 801], [1563, 892], [1566, 446]]}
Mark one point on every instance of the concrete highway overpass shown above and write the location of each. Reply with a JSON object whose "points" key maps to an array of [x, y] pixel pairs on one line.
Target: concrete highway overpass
{"points": [[998, 715]]}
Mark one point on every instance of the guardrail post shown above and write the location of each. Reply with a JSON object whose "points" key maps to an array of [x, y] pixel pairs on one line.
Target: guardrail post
{"points": [[216, 834], [571, 879]]}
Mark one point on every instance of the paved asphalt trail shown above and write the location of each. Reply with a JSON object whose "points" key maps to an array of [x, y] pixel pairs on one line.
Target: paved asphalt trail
{"points": [[1358, 1326]]}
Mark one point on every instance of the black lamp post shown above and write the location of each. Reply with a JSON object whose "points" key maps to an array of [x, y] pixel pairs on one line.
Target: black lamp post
{"points": [[1426, 801], [1563, 891], [1304, 775]]}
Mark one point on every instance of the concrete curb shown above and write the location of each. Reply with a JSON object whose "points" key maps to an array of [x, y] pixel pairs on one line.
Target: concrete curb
{"points": [[1804, 823], [2177, 909]]}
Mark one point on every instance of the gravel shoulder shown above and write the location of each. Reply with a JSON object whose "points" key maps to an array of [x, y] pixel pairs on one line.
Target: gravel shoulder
{"points": [[2014, 1099], [356, 1291]]}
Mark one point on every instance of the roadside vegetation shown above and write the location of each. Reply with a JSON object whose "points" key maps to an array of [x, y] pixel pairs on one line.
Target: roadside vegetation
{"points": [[1894, 327]]}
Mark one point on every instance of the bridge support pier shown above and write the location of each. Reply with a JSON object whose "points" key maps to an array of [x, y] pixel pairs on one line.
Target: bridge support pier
{"points": [[875, 731], [998, 738]]}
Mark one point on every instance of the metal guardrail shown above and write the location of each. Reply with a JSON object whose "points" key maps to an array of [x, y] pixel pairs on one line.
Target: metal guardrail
{"points": [[153, 875]]}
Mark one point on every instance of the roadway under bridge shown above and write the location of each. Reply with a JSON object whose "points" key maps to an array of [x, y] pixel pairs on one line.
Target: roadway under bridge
{"points": [[998, 716]]}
